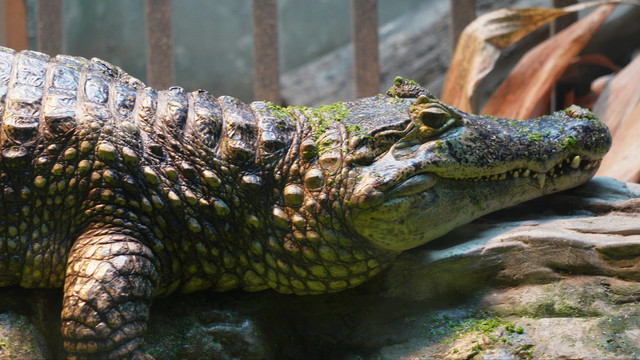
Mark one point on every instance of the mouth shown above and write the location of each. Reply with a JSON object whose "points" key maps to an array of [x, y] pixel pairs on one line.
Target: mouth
{"points": [[427, 205], [566, 167]]}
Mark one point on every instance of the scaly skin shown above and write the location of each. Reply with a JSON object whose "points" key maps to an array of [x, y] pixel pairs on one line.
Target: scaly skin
{"points": [[121, 194]]}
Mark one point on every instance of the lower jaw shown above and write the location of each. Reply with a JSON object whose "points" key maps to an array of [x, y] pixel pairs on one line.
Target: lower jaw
{"points": [[422, 217]]}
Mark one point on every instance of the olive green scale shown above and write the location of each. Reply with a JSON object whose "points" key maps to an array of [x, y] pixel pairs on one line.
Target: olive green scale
{"points": [[217, 189]]}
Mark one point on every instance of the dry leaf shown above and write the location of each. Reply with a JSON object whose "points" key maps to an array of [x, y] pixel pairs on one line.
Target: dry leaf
{"points": [[622, 162], [620, 97], [532, 78], [594, 59], [481, 42], [619, 107]]}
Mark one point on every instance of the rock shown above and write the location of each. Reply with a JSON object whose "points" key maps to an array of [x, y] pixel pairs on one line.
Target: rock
{"points": [[552, 278], [19, 339], [594, 229], [194, 327], [557, 277]]}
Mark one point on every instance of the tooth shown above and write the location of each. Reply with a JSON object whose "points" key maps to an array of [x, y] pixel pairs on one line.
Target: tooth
{"points": [[503, 176], [515, 173], [588, 166], [494, 177], [541, 180], [552, 171], [526, 173], [575, 163], [535, 175]]}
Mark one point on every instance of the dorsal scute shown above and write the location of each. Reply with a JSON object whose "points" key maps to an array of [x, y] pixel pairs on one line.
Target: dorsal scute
{"points": [[144, 115], [239, 132], [145, 108], [105, 68], [6, 65], [96, 89], [59, 105], [172, 111], [97, 79], [24, 97], [275, 130], [65, 73], [204, 120], [124, 99]]}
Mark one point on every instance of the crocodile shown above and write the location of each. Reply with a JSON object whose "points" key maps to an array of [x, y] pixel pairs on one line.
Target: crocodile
{"points": [[120, 193]]}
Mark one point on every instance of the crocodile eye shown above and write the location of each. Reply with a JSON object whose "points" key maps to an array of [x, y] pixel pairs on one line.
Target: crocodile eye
{"points": [[432, 119]]}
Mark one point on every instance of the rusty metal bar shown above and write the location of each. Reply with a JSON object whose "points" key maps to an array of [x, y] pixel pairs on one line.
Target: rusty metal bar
{"points": [[16, 24], [462, 13], [266, 83], [364, 35], [49, 25], [159, 43]]}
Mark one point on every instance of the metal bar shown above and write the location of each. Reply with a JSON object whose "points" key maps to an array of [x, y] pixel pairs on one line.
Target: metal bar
{"points": [[266, 83], [565, 21], [556, 97], [159, 43], [462, 13], [364, 35], [16, 24], [49, 25]]}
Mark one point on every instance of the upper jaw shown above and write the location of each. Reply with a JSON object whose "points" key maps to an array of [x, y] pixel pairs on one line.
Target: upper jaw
{"points": [[477, 153], [373, 190], [570, 166]]}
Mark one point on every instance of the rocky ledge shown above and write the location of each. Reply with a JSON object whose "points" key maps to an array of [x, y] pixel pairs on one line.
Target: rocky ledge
{"points": [[558, 277]]}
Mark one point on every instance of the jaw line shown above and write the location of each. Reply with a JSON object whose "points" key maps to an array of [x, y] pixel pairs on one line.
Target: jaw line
{"points": [[562, 169], [395, 178], [407, 219]]}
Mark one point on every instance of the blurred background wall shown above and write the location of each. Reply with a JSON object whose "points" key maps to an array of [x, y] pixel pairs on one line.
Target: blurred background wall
{"points": [[212, 39]]}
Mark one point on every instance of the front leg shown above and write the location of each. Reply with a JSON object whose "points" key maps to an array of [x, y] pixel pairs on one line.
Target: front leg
{"points": [[110, 282]]}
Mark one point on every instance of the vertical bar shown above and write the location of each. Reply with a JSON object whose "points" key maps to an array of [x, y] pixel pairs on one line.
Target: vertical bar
{"points": [[49, 25], [462, 13], [159, 46], [16, 24], [266, 83], [364, 35], [557, 95], [565, 21]]}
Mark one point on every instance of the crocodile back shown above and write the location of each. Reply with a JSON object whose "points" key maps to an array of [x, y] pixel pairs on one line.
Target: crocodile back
{"points": [[204, 182], [82, 140]]}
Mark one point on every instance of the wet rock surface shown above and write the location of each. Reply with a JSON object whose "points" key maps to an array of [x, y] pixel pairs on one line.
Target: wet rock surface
{"points": [[558, 277]]}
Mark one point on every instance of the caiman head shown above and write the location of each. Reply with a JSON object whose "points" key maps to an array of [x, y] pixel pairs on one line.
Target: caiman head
{"points": [[419, 167]]}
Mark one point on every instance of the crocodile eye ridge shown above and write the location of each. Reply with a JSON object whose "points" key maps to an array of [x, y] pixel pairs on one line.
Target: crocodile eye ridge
{"points": [[432, 118]]}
